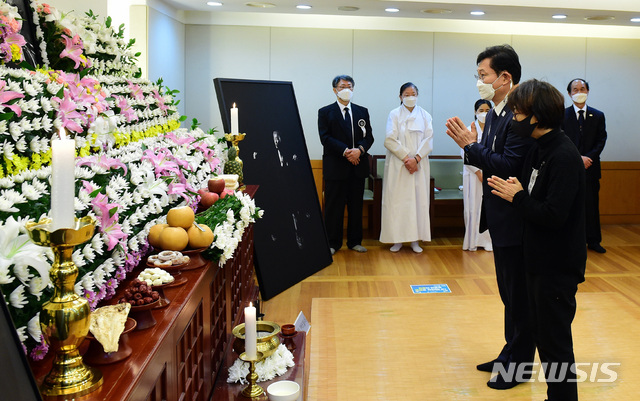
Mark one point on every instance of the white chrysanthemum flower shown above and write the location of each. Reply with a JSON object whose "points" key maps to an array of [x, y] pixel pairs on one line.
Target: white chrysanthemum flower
{"points": [[21, 334], [31, 192], [78, 258], [13, 196], [36, 286], [17, 298], [7, 182], [7, 150], [21, 271], [97, 243], [88, 252], [34, 327], [87, 282], [3, 127]]}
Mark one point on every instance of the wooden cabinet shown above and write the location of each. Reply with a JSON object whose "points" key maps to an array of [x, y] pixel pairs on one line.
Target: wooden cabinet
{"points": [[179, 358]]}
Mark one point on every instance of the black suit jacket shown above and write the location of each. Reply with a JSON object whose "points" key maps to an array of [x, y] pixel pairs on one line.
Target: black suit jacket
{"points": [[593, 138], [500, 153], [335, 139]]}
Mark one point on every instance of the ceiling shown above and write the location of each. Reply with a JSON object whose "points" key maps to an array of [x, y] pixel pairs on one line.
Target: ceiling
{"points": [[591, 12]]}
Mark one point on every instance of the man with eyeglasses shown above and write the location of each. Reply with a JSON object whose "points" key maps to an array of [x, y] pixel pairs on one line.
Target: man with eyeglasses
{"points": [[501, 153], [345, 133]]}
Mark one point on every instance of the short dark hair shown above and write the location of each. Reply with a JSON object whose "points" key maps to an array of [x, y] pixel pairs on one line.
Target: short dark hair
{"points": [[479, 103], [408, 85], [339, 78], [576, 79], [541, 99], [503, 58]]}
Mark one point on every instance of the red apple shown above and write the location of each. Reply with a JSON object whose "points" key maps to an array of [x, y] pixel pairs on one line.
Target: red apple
{"points": [[216, 185], [207, 199]]}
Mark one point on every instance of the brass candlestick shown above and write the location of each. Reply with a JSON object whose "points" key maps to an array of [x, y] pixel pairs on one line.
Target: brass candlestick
{"points": [[252, 390], [64, 319], [234, 164]]}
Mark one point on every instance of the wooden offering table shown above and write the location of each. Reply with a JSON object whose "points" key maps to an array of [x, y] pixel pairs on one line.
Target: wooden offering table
{"points": [[180, 356]]}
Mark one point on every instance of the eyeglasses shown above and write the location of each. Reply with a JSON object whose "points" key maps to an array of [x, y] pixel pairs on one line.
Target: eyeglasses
{"points": [[341, 87], [481, 77]]}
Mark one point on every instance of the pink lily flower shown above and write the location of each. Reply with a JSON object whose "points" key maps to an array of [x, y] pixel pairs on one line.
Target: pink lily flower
{"points": [[104, 162], [160, 101], [73, 50], [136, 90], [161, 162], [126, 109], [179, 189], [12, 39], [67, 112], [6, 96], [108, 224], [179, 141]]}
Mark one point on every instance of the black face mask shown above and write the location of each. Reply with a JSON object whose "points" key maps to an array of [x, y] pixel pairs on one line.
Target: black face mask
{"points": [[523, 128]]}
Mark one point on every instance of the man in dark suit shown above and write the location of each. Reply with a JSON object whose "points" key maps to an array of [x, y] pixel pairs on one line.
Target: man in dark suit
{"points": [[345, 133], [587, 129], [501, 153]]}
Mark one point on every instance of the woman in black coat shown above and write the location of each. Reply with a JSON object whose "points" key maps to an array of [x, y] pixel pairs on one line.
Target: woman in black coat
{"points": [[551, 201]]}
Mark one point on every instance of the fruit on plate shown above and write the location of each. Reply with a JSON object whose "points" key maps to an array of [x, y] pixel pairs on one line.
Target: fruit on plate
{"points": [[200, 236], [216, 185], [139, 293], [182, 216], [154, 234], [174, 238], [155, 276]]}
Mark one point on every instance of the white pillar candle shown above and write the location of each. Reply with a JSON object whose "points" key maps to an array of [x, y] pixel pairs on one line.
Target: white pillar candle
{"points": [[250, 332], [63, 165], [234, 120]]}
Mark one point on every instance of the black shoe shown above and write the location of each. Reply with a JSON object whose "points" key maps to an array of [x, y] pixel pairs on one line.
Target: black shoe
{"points": [[487, 366], [597, 248], [499, 383]]}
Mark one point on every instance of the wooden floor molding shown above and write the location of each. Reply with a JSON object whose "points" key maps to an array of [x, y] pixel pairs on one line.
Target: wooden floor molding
{"points": [[380, 273]]}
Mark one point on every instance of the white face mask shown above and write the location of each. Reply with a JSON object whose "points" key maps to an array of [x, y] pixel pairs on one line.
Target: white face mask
{"points": [[482, 117], [579, 97], [410, 101], [345, 94], [486, 90]]}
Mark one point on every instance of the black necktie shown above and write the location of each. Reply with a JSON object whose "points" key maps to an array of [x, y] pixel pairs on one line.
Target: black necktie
{"points": [[580, 118], [580, 123], [347, 120]]}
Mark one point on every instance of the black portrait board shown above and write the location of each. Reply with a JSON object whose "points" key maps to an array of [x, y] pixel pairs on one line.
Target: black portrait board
{"points": [[290, 240], [16, 380], [31, 50]]}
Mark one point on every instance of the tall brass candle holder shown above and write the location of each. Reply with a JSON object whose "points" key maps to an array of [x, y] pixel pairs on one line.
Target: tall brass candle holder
{"points": [[64, 319], [253, 389], [234, 164]]}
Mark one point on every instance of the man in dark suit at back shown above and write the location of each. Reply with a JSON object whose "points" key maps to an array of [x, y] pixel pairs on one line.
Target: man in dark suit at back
{"points": [[587, 129], [501, 153], [345, 133]]}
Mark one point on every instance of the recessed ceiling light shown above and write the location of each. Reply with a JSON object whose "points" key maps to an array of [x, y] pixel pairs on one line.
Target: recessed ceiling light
{"points": [[477, 13], [637, 19], [559, 16], [260, 5], [436, 11], [214, 3], [392, 10], [600, 18], [348, 8], [303, 7]]}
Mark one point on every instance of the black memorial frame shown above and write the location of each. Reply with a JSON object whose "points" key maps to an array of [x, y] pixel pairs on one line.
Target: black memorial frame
{"points": [[290, 240], [16, 379]]}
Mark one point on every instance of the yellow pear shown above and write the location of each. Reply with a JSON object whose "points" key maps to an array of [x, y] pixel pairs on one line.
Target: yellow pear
{"points": [[181, 217], [199, 238]]}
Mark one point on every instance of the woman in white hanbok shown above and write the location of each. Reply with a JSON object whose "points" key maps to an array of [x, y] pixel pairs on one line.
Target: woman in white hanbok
{"points": [[405, 188], [472, 191]]}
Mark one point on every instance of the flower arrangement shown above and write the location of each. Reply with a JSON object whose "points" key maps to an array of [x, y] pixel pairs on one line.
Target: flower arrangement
{"points": [[134, 161], [274, 365], [11, 41]]}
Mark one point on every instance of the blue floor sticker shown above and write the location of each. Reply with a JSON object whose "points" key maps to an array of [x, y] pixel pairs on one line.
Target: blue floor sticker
{"points": [[430, 288]]}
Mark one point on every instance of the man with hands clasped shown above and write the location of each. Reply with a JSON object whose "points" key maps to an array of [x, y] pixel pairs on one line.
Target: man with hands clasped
{"points": [[345, 134], [501, 153]]}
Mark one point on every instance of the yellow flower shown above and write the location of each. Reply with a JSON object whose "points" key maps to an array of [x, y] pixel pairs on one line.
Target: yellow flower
{"points": [[16, 52]]}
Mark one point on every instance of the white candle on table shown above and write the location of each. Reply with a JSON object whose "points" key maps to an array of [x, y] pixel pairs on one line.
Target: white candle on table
{"points": [[250, 332], [63, 190], [234, 120]]}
